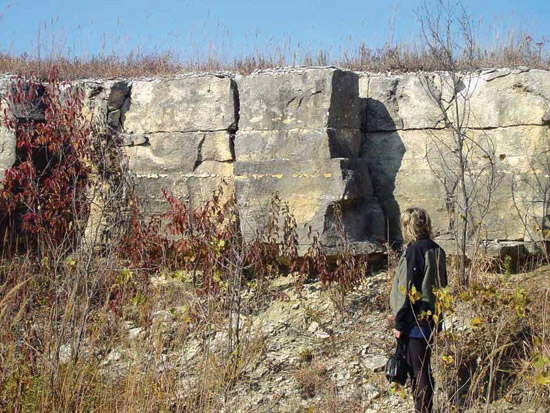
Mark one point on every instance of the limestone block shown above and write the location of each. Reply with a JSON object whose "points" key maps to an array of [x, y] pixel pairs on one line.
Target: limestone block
{"points": [[515, 147], [299, 98], [494, 98], [407, 171], [164, 153], [510, 99], [320, 143], [299, 135], [311, 188], [186, 104], [398, 102]]}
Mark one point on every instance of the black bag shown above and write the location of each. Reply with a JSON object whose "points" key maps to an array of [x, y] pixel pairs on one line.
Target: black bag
{"points": [[397, 367]]}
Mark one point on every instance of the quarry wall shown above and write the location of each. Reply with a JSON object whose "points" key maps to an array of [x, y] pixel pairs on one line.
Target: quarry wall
{"points": [[323, 136]]}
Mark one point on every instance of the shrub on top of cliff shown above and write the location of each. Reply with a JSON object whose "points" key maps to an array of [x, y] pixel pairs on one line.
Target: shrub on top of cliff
{"points": [[43, 194]]}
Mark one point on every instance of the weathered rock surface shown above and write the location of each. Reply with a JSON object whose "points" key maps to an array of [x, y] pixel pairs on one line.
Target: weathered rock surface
{"points": [[402, 131], [297, 144], [178, 136], [396, 102], [299, 137], [195, 186], [187, 104], [163, 152], [517, 98], [496, 98], [321, 137], [299, 98], [311, 188]]}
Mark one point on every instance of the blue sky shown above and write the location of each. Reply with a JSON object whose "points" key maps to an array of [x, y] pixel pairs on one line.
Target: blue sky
{"points": [[195, 28]]}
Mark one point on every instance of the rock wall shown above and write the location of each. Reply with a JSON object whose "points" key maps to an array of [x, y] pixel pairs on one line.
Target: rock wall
{"points": [[321, 137], [299, 136], [507, 110]]}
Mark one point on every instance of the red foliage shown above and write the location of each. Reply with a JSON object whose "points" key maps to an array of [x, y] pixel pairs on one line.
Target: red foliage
{"points": [[43, 194], [206, 242]]}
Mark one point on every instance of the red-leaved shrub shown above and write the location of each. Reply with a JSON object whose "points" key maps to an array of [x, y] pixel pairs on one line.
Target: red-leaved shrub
{"points": [[42, 200]]}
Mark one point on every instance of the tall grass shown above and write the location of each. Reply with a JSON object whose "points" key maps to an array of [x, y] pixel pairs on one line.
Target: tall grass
{"points": [[497, 44]]}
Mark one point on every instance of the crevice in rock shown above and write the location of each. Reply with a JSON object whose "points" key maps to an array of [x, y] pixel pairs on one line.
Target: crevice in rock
{"points": [[185, 131], [319, 127], [479, 128], [130, 139], [118, 103], [199, 153], [232, 147], [235, 127], [125, 107]]}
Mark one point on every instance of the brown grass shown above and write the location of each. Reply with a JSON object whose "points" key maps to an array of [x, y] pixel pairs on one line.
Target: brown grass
{"points": [[400, 58], [498, 44]]}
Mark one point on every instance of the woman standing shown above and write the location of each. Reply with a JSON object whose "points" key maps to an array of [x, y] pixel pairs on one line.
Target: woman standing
{"points": [[421, 268]]}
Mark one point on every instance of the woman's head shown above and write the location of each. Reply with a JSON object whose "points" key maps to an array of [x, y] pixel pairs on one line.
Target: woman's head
{"points": [[415, 224]]}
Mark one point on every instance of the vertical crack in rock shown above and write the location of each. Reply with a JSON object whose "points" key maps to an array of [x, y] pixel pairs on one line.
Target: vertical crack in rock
{"points": [[232, 147], [125, 107], [199, 152], [118, 103], [235, 127]]}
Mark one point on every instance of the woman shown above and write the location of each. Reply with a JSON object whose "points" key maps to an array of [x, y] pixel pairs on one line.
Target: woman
{"points": [[421, 268]]}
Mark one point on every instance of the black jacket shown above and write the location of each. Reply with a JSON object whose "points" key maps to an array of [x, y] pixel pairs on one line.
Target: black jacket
{"points": [[423, 265]]}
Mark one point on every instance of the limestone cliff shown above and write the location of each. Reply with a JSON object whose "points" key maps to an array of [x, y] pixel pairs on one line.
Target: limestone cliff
{"points": [[324, 136]]}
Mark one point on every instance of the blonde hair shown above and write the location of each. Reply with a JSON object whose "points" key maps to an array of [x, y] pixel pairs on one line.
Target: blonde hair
{"points": [[415, 224]]}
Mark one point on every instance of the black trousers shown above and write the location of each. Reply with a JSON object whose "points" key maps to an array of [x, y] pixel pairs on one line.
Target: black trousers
{"points": [[418, 359]]}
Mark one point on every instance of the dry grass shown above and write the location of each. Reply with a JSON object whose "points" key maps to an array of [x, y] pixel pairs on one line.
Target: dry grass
{"points": [[496, 44], [40, 312], [400, 58]]}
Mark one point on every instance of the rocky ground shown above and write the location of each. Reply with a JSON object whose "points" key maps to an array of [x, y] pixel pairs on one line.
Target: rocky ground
{"points": [[294, 351], [302, 353]]}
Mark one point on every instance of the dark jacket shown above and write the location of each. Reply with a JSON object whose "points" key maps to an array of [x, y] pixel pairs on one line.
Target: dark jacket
{"points": [[423, 265]]}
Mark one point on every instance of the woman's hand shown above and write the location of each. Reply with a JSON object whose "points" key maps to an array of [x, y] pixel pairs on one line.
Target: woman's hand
{"points": [[396, 333]]}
